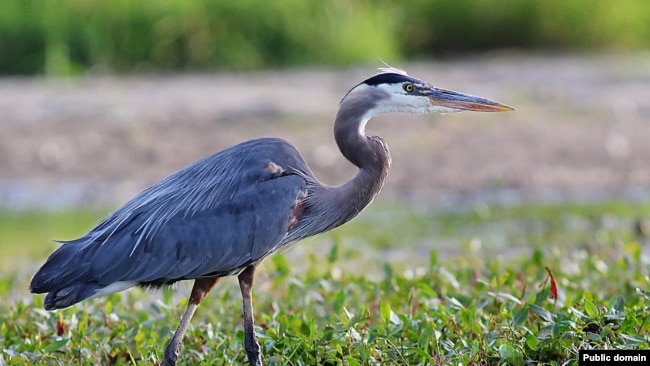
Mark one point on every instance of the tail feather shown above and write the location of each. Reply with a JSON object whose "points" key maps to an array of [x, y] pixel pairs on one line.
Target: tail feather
{"points": [[62, 268], [70, 295], [65, 275], [70, 275]]}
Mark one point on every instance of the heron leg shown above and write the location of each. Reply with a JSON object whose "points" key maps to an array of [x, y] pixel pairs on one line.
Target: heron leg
{"points": [[250, 340], [201, 288]]}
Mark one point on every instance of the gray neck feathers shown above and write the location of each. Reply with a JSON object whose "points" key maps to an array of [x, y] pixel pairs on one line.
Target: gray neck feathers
{"points": [[339, 204]]}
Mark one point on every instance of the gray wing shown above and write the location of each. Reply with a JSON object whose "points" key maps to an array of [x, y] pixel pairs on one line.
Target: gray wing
{"points": [[217, 241], [212, 218]]}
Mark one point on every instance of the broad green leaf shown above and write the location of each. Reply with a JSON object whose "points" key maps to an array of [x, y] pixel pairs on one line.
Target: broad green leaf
{"points": [[56, 345], [541, 312], [532, 341], [510, 354], [384, 309], [520, 316], [351, 361], [339, 301], [591, 309], [426, 289]]}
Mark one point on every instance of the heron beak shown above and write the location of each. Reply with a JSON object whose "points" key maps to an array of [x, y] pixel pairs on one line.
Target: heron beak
{"points": [[466, 102]]}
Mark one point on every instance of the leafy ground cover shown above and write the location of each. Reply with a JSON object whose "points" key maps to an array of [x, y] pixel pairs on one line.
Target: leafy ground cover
{"points": [[529, 284]]}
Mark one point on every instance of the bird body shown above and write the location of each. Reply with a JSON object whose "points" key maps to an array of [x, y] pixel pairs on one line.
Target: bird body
{"points": [[225, 213], [212, 218]]}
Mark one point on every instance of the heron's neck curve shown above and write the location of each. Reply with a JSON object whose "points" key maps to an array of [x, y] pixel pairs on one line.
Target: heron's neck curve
{"points": [[369, 153], [372, 157]]}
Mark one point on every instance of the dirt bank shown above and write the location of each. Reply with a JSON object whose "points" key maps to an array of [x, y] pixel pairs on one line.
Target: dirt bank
{"points": [[582, 123]]}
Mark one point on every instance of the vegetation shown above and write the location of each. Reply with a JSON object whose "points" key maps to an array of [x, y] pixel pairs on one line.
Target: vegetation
{"points": [[73, 36], [528, 284]]}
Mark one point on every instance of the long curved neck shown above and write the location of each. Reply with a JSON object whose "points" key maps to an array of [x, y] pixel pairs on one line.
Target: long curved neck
{"points": [[369, 153]]}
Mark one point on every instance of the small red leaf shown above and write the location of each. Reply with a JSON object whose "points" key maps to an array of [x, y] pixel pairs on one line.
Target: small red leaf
{"points": [[61, 327], [553, 294]]}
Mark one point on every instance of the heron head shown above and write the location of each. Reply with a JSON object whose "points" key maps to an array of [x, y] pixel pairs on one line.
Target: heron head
{"points": [[394, 91]]}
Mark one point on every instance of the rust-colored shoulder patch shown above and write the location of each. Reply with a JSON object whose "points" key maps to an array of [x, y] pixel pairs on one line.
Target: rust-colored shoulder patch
{"points": [[297, 209], [274, 169]]}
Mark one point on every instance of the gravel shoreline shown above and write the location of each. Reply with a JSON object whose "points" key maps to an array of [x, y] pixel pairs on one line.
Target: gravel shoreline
{"points": [[581, 129]]}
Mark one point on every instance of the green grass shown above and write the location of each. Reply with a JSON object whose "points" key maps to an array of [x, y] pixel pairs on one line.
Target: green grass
{"points": [[396, 287], [75, 36]]}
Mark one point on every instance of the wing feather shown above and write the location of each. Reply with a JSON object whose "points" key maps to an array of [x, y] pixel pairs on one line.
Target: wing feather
{"points": [[211, 218]]}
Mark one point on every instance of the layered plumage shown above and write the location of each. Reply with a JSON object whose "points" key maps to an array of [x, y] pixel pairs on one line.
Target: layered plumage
{"points": [[213, 218]]}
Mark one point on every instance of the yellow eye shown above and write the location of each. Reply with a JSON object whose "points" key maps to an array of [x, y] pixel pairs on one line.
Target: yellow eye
{"points": [[408, 88]]}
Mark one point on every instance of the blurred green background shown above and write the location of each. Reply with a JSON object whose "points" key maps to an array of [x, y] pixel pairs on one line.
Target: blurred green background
{"points": [[74, 36]]}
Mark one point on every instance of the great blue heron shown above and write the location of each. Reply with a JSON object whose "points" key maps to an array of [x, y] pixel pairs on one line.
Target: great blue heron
{"points": [[224, 214]]}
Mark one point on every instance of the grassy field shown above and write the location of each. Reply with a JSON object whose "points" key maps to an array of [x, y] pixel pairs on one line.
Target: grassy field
{"points": [[71, 37], [516, 285]]}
